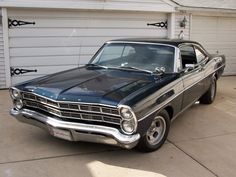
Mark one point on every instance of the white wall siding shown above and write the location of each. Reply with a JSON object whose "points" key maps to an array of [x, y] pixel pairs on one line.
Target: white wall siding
{"points": [[178, 18], [2, 62], [218, 35], [61, 40]]}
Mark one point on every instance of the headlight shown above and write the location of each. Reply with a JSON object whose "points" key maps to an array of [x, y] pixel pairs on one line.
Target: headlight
{"points": [[18, 104], [129, 121], [128, 126], [126, 113], [15, 93]]}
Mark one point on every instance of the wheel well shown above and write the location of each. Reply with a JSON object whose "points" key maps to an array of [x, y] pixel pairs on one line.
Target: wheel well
{"points": [[170, 111], [216, 75]]}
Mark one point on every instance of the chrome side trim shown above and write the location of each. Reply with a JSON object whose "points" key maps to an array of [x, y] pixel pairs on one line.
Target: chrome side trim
{"points": [[79, 131], [176, 95]]}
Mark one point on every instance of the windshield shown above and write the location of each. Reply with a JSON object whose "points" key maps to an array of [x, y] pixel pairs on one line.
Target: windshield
{"points": [[134, 55]]}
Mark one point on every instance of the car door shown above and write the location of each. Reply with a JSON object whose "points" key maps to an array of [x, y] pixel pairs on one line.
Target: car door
{"points": [[192, 76]]}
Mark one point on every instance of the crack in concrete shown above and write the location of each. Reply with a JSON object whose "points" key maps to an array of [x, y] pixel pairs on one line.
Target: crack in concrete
{"points": [[59, 156], [194, 159], [202, 138]]}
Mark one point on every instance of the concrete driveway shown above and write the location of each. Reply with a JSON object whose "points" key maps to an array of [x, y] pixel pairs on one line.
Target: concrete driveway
{"points": [[202, 143]]}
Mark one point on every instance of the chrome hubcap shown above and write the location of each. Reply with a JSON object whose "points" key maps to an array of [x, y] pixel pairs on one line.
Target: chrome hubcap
{"points": [[156, 131]]}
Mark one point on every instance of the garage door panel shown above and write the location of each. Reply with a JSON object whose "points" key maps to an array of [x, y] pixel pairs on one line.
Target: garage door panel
{"points": [[230, 69], [51, 51], [212, 37], [44, 61], [203, 37], [216, 38], [204, 31], [90, 23], [50, 61], [76, 32], [217, 34], [58, 41], [1, 51], [73, 15], [23, 78], [227, 49], [201, 22], [227, 24]]}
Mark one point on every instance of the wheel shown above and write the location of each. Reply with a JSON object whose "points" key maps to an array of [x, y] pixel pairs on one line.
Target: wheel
{"points": [[156, 134], [210, 95]]}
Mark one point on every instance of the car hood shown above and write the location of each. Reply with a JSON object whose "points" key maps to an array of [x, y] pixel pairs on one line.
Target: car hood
{"points": [[92, 85]]}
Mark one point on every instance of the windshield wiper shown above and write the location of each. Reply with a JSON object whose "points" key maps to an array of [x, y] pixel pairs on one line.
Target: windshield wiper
{"points": [[95, 65], [137, 69], [160, 70]]}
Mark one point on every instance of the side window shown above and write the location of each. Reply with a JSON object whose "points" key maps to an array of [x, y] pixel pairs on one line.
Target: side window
{"points": [[188, 55], [199, 54]]}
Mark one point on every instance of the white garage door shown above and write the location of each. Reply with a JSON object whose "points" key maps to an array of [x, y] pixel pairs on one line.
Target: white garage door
{"points": [[217, 34], [2, 64], [60, 40]]}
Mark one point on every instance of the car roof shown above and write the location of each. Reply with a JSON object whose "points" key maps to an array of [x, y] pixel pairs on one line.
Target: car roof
{"points": [[174, 42]]}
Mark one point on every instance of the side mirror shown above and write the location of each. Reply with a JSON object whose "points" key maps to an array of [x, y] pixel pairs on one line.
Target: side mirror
{"points": [[189, 67]]}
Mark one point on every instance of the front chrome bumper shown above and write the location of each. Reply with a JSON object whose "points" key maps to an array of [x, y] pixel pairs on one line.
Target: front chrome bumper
{"points": [[78, 131]]}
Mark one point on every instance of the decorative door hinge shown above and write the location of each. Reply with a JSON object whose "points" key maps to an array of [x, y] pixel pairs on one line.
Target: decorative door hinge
{"points": [[14, 23], [18, 71], [159, 24]]}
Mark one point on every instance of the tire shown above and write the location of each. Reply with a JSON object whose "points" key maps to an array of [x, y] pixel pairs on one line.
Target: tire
{"points": [[157, 133], [210, 95]]}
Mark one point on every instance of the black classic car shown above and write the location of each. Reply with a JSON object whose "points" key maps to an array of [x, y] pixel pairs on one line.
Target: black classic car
{"points": [[127, 95]]}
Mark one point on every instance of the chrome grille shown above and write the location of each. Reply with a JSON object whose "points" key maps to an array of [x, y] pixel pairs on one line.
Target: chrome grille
{"points": [[73, 110], [72, 106], [42, 107]]}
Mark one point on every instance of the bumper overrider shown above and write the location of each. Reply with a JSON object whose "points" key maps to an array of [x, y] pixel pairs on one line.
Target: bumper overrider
{"points": [[76, 131]]}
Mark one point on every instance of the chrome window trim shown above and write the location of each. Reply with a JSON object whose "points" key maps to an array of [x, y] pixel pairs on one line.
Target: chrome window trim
{"points": [[177, 59], [194, 44], [133, 42], [194, 47], [176, 95]]}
